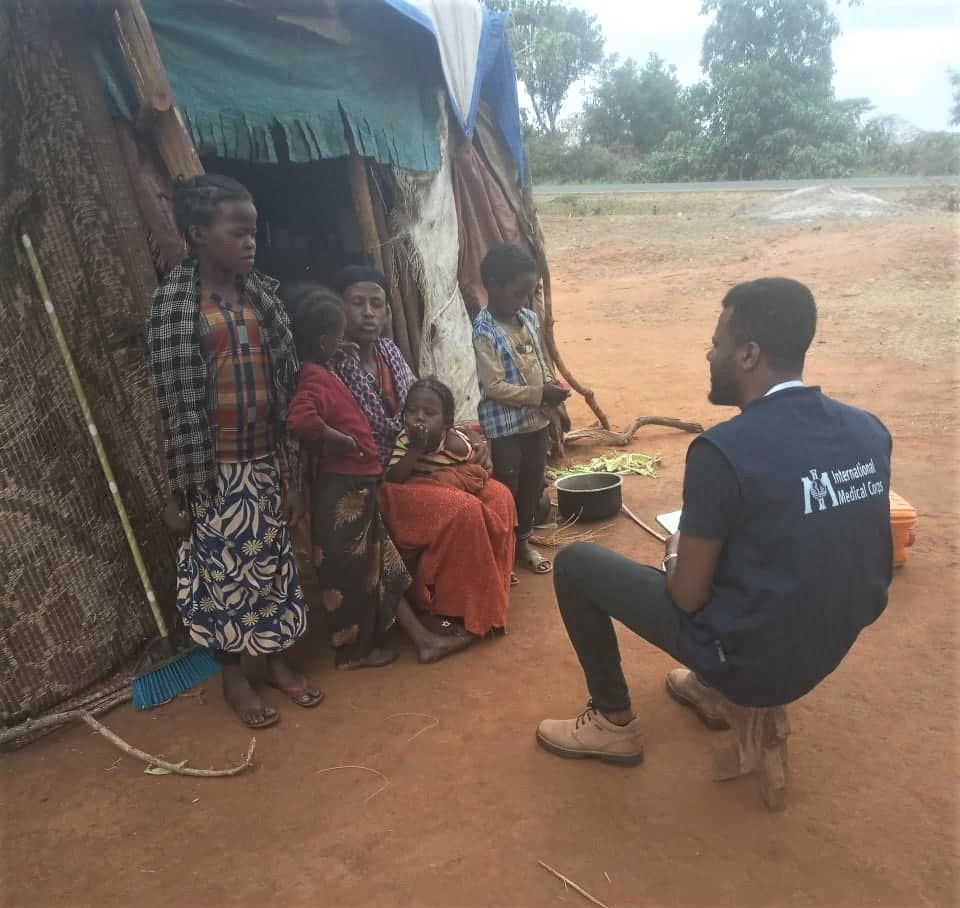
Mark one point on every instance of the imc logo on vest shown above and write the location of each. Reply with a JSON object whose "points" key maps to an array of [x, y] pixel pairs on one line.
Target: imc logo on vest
{"points": [[822, 490], [817, 488]]}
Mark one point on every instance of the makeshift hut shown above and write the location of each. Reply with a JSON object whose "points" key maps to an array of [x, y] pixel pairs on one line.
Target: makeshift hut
{"points": [[378, 130]]}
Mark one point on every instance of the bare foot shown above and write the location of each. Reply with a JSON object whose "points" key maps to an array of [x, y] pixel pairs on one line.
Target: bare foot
{"points": [[439, 647], [244, 700], [376, 658]]}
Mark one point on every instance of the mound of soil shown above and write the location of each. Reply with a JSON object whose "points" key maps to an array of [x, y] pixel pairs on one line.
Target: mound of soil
{"points": [[821, 202]]}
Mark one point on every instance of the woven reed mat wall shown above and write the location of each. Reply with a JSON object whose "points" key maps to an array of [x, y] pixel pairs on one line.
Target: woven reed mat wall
{"points": [[71, 605]]}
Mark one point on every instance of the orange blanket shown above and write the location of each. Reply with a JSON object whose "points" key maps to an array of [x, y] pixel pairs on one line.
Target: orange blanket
{"points": [[464, 544]]}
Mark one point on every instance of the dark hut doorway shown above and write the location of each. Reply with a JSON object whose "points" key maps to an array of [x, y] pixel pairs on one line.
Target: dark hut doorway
{"points": [[307, 227]]}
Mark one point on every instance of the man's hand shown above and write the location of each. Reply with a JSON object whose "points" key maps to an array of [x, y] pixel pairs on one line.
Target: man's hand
{"points": [[690, 574], [177, 519], [294, 509], [554, 394]]}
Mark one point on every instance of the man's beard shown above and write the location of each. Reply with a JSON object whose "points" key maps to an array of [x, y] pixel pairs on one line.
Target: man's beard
{"points": [[723, 390]]}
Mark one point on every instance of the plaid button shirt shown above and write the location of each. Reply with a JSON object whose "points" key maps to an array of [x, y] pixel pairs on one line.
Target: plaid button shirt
{"points": [[496, 419], [240, 387]]}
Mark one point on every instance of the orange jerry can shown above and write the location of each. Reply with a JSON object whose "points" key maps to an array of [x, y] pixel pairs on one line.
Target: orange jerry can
{"points": [[903, 523]]}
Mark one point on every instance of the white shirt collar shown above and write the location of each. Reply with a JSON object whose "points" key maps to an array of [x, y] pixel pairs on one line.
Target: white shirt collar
{"points": [[796, 383]]}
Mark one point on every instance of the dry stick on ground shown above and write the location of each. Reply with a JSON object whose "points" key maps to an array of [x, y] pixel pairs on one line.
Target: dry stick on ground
{"points": [[568, 882], [641, 524], [176, 768], [46, 724], [605, 435], [86, 716]]}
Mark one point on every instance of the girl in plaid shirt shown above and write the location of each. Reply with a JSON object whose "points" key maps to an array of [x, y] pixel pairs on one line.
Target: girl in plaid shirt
{"points": [[223, 367]]}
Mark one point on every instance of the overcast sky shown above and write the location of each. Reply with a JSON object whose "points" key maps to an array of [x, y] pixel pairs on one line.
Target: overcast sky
{"points": [[894, 52]]}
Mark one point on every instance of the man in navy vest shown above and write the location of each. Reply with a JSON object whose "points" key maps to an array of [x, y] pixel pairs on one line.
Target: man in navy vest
{"points": [[784, 552]]}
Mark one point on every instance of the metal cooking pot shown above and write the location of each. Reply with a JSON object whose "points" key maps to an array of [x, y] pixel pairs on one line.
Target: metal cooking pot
{"points": [[589, 496]]}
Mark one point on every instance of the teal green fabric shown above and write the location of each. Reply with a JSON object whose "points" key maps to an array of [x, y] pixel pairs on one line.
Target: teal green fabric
{"points": [[238, 76]]}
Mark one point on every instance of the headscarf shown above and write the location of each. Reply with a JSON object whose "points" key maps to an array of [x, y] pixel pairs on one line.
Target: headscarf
{"points": [[350, 372]]}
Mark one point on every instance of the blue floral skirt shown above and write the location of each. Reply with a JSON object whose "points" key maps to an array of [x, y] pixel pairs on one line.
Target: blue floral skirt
{"points": [[238, 590]]}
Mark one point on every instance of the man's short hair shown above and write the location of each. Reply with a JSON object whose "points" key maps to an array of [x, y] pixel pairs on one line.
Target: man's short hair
{"points": [[778, 314]]}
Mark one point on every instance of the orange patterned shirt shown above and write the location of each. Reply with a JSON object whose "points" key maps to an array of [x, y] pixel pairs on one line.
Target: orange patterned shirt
{"points": [[240, 396]]}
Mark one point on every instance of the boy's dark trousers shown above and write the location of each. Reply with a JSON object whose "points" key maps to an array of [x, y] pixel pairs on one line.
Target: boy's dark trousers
{"points": [[519, 462]]}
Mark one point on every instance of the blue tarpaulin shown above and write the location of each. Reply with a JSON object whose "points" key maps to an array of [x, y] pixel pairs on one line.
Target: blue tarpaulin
{"points": [[477, 62], [497, 77]]}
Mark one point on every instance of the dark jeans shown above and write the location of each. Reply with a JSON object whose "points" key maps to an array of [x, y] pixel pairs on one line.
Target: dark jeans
{"points": [[595, 585], [519, 462]]}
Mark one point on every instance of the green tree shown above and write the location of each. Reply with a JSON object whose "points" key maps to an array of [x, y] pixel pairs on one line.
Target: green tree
{"points": [[955, 111], [554, 46], [634, 107], [793, 37], [770, 104]]}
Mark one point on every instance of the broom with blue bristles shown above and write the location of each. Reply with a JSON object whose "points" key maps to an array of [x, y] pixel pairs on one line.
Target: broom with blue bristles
{"points": [[162, 672]]}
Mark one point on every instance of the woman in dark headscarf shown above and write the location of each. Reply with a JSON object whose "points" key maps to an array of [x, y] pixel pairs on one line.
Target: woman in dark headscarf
{"points": [[372, 366], [438, 526]]}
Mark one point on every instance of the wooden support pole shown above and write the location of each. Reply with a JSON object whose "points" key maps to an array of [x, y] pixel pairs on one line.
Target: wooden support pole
{"points": [[363, 207], [158, 114], [537, 242], [403, 331], [548, 335]]}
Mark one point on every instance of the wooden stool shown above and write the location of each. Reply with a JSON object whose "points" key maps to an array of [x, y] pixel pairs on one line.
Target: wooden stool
{"points": [[757, 742]]}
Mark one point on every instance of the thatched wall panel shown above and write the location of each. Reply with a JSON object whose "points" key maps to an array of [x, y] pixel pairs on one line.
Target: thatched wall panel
{"points": [[71, 605]]}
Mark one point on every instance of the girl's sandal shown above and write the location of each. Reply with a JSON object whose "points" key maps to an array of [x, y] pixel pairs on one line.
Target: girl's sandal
{"points": [[514, 579], [303, 694]]}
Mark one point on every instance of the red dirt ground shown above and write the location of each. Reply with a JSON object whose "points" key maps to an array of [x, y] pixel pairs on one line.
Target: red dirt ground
{"points": [[470, 804]]}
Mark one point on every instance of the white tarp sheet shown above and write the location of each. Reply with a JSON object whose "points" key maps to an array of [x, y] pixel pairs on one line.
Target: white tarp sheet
{"points": [[429, 221], [457, 26]]}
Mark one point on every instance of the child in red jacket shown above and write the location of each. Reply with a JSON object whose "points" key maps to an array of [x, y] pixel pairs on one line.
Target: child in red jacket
{"points": [[361, 575]]}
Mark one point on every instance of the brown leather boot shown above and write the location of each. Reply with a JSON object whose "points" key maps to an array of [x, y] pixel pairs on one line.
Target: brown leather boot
{"points": [[591, 734], [684, 686]]}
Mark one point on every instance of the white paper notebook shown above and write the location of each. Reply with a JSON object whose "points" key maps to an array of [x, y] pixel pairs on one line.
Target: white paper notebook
{"points": [[670, 522]]}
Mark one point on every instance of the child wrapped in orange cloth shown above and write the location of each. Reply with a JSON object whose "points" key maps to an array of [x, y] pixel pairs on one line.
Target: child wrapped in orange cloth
{"points": [[449, 515]]}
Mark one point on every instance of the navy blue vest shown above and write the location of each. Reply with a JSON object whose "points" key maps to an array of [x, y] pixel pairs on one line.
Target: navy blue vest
{"points": [[810, 558]]}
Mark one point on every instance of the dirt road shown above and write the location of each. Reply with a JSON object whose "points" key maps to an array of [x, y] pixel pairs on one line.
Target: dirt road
{"points": [[454, 804]]}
